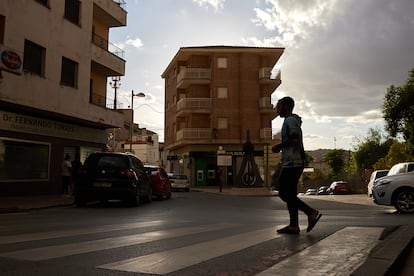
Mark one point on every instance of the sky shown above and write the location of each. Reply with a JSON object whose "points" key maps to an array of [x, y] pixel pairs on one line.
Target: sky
{"points": [[340, 56]]}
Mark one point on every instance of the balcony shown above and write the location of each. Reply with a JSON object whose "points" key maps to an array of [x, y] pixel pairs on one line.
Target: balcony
{"points": [[266, 77], [266, 133], [266, 107], [111, 13], [189, 76], [193, 134], [186, 106], [107, 57]]}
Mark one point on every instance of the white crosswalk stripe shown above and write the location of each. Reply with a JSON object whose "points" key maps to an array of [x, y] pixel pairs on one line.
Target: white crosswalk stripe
{"points": [[172, 260], [56, 251], [340, 253], [80, 231]]}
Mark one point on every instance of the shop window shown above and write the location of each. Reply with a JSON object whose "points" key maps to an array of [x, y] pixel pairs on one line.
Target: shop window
{"points": [[69, 72], [34, 58], [72, 11], [23, 160]]}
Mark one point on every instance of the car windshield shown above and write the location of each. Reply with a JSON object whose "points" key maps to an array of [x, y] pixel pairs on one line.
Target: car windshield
{"points": [[106, 161], [178, 176]]}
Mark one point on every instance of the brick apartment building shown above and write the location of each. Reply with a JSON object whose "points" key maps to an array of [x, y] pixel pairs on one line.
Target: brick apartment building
{"points": [[55, 61], [213, 96]]}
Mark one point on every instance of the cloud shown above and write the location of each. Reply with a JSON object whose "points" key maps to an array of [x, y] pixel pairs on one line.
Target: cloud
{"points": [[137, 43], [216, 4]]}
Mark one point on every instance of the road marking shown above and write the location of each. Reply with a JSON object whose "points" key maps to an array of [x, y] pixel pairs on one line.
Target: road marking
{"points": [[73, 232], [175, 259], [339, 254], [56, 251]]}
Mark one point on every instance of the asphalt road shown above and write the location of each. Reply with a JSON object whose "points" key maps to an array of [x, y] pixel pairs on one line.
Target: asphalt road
{"points": [[194, 234]]}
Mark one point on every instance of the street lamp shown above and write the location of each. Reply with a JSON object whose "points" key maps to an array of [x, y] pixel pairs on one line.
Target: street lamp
{"points": [[141, 95]]}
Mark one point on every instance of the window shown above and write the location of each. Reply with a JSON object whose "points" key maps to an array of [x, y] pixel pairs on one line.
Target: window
{"points": [[34, 58], [2, 27], [222, 123], [69, 73], [72, 11], [222, 62], [222, 93], [24, 160], [43, 2]]}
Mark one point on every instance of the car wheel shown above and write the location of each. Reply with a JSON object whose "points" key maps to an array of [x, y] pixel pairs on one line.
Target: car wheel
{"points": [[136, 199], [148, 199], [404, 201]]}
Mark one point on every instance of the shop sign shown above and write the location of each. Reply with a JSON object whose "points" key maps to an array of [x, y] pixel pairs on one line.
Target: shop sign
{"points": [[27, 124], [10, 60]]}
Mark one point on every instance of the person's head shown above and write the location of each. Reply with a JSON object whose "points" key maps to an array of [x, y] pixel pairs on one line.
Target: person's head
{"points": [[67, 157], [285, 106]]}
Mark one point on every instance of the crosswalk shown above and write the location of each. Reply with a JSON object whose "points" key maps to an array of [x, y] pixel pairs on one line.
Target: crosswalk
{"points": [[337, 254]]}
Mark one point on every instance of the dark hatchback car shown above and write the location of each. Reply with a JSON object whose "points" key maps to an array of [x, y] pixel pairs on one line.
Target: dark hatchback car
{"points": [[105, 176]]}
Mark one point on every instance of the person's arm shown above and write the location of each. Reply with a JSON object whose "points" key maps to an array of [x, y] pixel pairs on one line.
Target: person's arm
{"points": [[292, 140]]}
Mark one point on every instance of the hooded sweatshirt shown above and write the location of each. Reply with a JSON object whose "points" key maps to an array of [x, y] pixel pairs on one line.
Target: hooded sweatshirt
{"points": [[293, 156]]}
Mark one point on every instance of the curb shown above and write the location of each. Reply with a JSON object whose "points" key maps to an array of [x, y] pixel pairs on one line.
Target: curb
{"points": [[385, 258]]}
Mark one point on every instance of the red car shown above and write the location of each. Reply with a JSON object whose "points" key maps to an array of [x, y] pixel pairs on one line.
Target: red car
{"points": [[339, 187], [161, 185]]}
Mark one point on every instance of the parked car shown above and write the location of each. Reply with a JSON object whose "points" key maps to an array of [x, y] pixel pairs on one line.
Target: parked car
{"points": [[106, 176], [161, 185], [179, 182], [323, 190], [401, 168], [311, 192], [339, 187], [374, 176], [395, 190]]}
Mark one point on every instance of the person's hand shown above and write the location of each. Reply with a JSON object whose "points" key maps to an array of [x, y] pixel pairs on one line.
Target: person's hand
{"points": [[277, 148]]}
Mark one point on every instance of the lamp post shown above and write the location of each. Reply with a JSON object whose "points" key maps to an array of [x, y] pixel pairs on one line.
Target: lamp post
{"points": [[141, 95]]}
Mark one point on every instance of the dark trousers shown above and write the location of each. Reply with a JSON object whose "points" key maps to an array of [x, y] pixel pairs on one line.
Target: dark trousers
{"points": [[66, 184], [288, 192]]}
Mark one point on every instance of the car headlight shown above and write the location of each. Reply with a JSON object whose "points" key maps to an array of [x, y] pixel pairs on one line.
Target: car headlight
{"points": [[381, 182]]}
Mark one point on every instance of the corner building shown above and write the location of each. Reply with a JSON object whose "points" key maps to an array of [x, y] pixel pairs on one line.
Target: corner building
{"points": [[55, 61], [213, 96]]}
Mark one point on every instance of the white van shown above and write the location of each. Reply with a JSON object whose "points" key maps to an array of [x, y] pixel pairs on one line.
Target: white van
{"points": [[375, 175], [401, 168]]}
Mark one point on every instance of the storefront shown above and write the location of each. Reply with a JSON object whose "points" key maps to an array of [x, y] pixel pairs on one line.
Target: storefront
{"points": [[32, 148]]}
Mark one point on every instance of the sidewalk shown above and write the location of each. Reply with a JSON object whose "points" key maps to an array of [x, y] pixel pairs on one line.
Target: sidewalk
{"points": [[393, 256]]}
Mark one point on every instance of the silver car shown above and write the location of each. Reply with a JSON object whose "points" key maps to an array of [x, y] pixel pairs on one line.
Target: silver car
{"points": [[179, 182], [395, 190]]}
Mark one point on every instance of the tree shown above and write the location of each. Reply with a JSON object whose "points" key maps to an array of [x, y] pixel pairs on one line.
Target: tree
{"points": [[371, 148], [335, 159], [398, 111], [396, 154]]}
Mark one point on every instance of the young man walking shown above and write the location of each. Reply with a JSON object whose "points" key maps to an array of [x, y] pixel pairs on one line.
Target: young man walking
{"points": [[293, 162]]}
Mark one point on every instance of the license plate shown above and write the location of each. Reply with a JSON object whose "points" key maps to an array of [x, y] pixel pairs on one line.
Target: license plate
{"points": [[102, 184]]}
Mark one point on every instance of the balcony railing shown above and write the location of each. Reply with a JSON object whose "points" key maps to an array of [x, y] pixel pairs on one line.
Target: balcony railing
{"points": [[193, 133], [265, 74], [194, 105], [121, 3], [97, 100], [106, 45], [188, 76], [266, 133]]}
